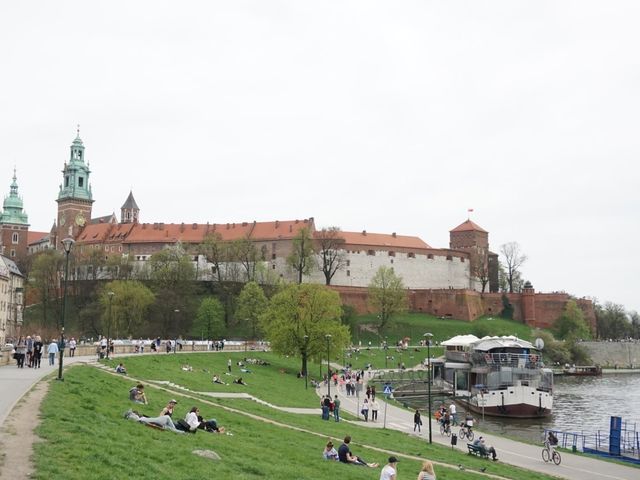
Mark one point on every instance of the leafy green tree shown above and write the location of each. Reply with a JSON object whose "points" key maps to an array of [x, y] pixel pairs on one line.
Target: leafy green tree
{"points": [[554, 351], [635, 324], [387, 295], [301, 257], [125, 310], [507, 307], [209, 318], [298, 319], [571, 324], [44, 277], [612, 321], [252, 303]]}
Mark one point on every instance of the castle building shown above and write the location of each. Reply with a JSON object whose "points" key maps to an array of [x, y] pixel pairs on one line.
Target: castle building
{"points": [[11, 299], [14, 224]]}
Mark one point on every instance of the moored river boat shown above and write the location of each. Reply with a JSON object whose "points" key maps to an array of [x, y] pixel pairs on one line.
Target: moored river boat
{"points": [[499, 376]]}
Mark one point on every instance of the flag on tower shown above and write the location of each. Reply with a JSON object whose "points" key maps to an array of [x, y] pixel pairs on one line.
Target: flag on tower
{"points": [[469, 209]]}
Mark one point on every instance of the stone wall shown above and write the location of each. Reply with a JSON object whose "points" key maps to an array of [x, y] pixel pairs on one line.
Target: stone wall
{"points": [[614, 354]]}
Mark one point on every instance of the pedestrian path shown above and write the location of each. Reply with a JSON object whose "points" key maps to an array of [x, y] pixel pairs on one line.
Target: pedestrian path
{"points": [[576, 467]]}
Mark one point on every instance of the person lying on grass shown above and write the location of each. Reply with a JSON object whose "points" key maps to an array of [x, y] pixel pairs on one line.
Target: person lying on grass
{"points": [[239, 381], [163, 421], [195, 421], [216, 379]]}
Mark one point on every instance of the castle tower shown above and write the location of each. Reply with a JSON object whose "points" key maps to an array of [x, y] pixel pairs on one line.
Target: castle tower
{"points": [[14, 224], [75, 198], [130, 212], [473, 239], [529, 304]]}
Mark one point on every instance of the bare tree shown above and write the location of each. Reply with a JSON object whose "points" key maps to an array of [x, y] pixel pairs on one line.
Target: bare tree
{"points": [[332, 257], [513, 260], [301, 254], [480, 270]]}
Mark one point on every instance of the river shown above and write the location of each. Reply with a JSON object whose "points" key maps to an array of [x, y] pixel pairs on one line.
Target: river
{"points": [[581, 404]]}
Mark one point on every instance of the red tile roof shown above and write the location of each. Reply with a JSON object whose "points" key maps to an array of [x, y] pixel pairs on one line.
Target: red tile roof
{"points": [[383, 240], [468, 226], [35, 237]]}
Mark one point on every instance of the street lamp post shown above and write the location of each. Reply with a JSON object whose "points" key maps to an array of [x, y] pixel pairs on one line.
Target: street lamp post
{"points": [[304, 361], [67, 244], [428, 337], [175, 340], [328, 338], [386, 353], [111, 294]]}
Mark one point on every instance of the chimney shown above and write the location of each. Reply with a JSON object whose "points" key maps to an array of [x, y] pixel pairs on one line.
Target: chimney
{"points": [[297, 221], [364, 232], [228, 226], [277, 223], [290, 228], [393, 234], [182, 227], [195, 226], [244, 224], [161, 226]]}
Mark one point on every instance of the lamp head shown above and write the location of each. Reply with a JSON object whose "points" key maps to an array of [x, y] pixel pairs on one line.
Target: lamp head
{"points": [[67, 243], [327, 336], [111, 294]]}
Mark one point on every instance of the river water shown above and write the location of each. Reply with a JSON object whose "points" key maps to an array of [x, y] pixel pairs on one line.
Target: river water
{"points": [[581, 404]]}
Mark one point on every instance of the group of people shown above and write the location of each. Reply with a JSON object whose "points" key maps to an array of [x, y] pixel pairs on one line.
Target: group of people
{"points": [[191, 423], [330, 407], [389, 471], [370, 404], [29, 350]]}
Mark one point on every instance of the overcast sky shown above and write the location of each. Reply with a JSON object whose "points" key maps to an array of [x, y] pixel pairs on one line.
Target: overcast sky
{"points": [[384, 116]]}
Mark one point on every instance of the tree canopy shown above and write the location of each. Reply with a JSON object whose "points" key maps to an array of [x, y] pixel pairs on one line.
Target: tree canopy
{"points": [[209, 319], [387, 295], [300, 258], [251, 303], [571, 324], [125, 310]]}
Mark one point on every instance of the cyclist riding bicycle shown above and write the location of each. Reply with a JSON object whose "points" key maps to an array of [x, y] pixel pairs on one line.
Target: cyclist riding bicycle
{"points": [[445, 421], [552, 441], [468, 422]]}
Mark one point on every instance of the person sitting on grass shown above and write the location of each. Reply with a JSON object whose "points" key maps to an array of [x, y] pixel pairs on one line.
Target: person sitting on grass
{"points": [[484, 448], [187, 368], [426, 472], [168, 410], [239, 381], [345, 455], [216, 379], [136, 394], [195, 421], [330, 453], [120, 369], [163, 421]]}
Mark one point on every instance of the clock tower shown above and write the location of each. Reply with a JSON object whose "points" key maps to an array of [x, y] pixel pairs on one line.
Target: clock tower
{"points": [[74, 198]]}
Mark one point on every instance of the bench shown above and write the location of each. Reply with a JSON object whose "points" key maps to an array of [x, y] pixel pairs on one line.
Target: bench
{"points": [[473, 450]]}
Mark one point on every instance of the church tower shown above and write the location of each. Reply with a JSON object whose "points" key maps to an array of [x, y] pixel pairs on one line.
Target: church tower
{"points": [[130, 212], [14, 224], [75, 198]]}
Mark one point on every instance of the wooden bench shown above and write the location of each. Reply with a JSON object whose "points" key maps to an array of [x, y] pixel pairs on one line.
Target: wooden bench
{"points": [[473, 450]]}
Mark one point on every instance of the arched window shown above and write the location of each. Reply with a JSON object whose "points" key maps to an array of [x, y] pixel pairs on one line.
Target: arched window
{"points": [[15, 238]]}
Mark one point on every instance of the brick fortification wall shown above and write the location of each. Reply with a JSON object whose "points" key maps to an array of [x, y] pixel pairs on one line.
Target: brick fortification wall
{"points": [[543, 309]]}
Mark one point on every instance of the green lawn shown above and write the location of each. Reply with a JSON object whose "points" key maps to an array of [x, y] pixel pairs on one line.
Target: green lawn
{"points": [[86, 436]]}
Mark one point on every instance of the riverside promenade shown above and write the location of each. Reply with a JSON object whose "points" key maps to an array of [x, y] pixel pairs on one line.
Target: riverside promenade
{"points": [[15, 383], [573, 466]]}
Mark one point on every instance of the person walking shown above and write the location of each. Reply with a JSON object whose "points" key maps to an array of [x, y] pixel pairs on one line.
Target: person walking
{"points": [[374, 409], [336, 408], [229, 365], [365, 410], [72, 347], [29, 351], [417, 421], [52, 349], [37, 351]]}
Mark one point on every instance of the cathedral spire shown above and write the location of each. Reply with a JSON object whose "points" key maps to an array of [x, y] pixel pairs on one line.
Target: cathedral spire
{"points": [[13, 208]]}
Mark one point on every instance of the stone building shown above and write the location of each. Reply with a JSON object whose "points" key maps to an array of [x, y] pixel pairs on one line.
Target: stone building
{"points": [[11, 299]]}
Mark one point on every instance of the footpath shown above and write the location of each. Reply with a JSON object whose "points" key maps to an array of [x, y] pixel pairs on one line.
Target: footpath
{"points": [[573, 466]]}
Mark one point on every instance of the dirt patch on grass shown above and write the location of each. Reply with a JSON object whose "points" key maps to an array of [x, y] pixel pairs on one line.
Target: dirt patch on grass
{"points": [[17, 435]]}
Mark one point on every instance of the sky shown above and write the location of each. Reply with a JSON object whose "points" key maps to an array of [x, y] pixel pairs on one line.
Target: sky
{"points": [[378, 116]]}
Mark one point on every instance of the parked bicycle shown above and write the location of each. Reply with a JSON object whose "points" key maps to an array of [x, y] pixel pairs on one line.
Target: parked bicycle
{"points": [[549, 454], [466, 432]]}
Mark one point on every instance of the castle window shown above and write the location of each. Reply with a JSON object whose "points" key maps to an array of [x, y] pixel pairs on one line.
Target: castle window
{"points": [[411, 255], [66, 181], [273, 256], [371, 252], [348, 273], [449, 257], [13, 252], [81, 182], [106, 248], [273, 266], [348, 263], [430, 256], [15, 238], [392, 254], [392, 260], [462, 259]]}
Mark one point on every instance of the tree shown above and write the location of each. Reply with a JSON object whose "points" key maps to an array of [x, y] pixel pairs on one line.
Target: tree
{"points": [[635, 324], [571, 325], [209, 318], [252, 303], [513, 260], [387, 295], [480, 270], [45, 278], [248, 256], [298, 319], [300, 258], [331, 256], [126, 310], [612, 321]]}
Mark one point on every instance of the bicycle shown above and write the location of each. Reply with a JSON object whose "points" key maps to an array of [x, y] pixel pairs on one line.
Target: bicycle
{"points": [[445, 429], [550, 454], [465, 431]]}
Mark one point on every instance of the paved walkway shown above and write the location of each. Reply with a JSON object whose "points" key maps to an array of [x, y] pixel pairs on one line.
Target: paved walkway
{"points": [[524, 455]]}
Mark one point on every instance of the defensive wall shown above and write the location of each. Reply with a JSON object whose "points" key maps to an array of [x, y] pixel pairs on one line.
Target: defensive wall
{"points": [[538, 310], [614, 354]]}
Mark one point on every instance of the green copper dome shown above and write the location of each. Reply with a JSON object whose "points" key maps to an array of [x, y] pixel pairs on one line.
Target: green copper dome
{"points": [[76, 174], [13, 208]]}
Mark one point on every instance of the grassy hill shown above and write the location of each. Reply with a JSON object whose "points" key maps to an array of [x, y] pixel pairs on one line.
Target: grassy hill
{"points": [[85, 435]]}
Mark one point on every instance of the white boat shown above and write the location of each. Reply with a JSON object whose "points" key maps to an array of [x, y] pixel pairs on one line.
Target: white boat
{"points": [[499, 376]]}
